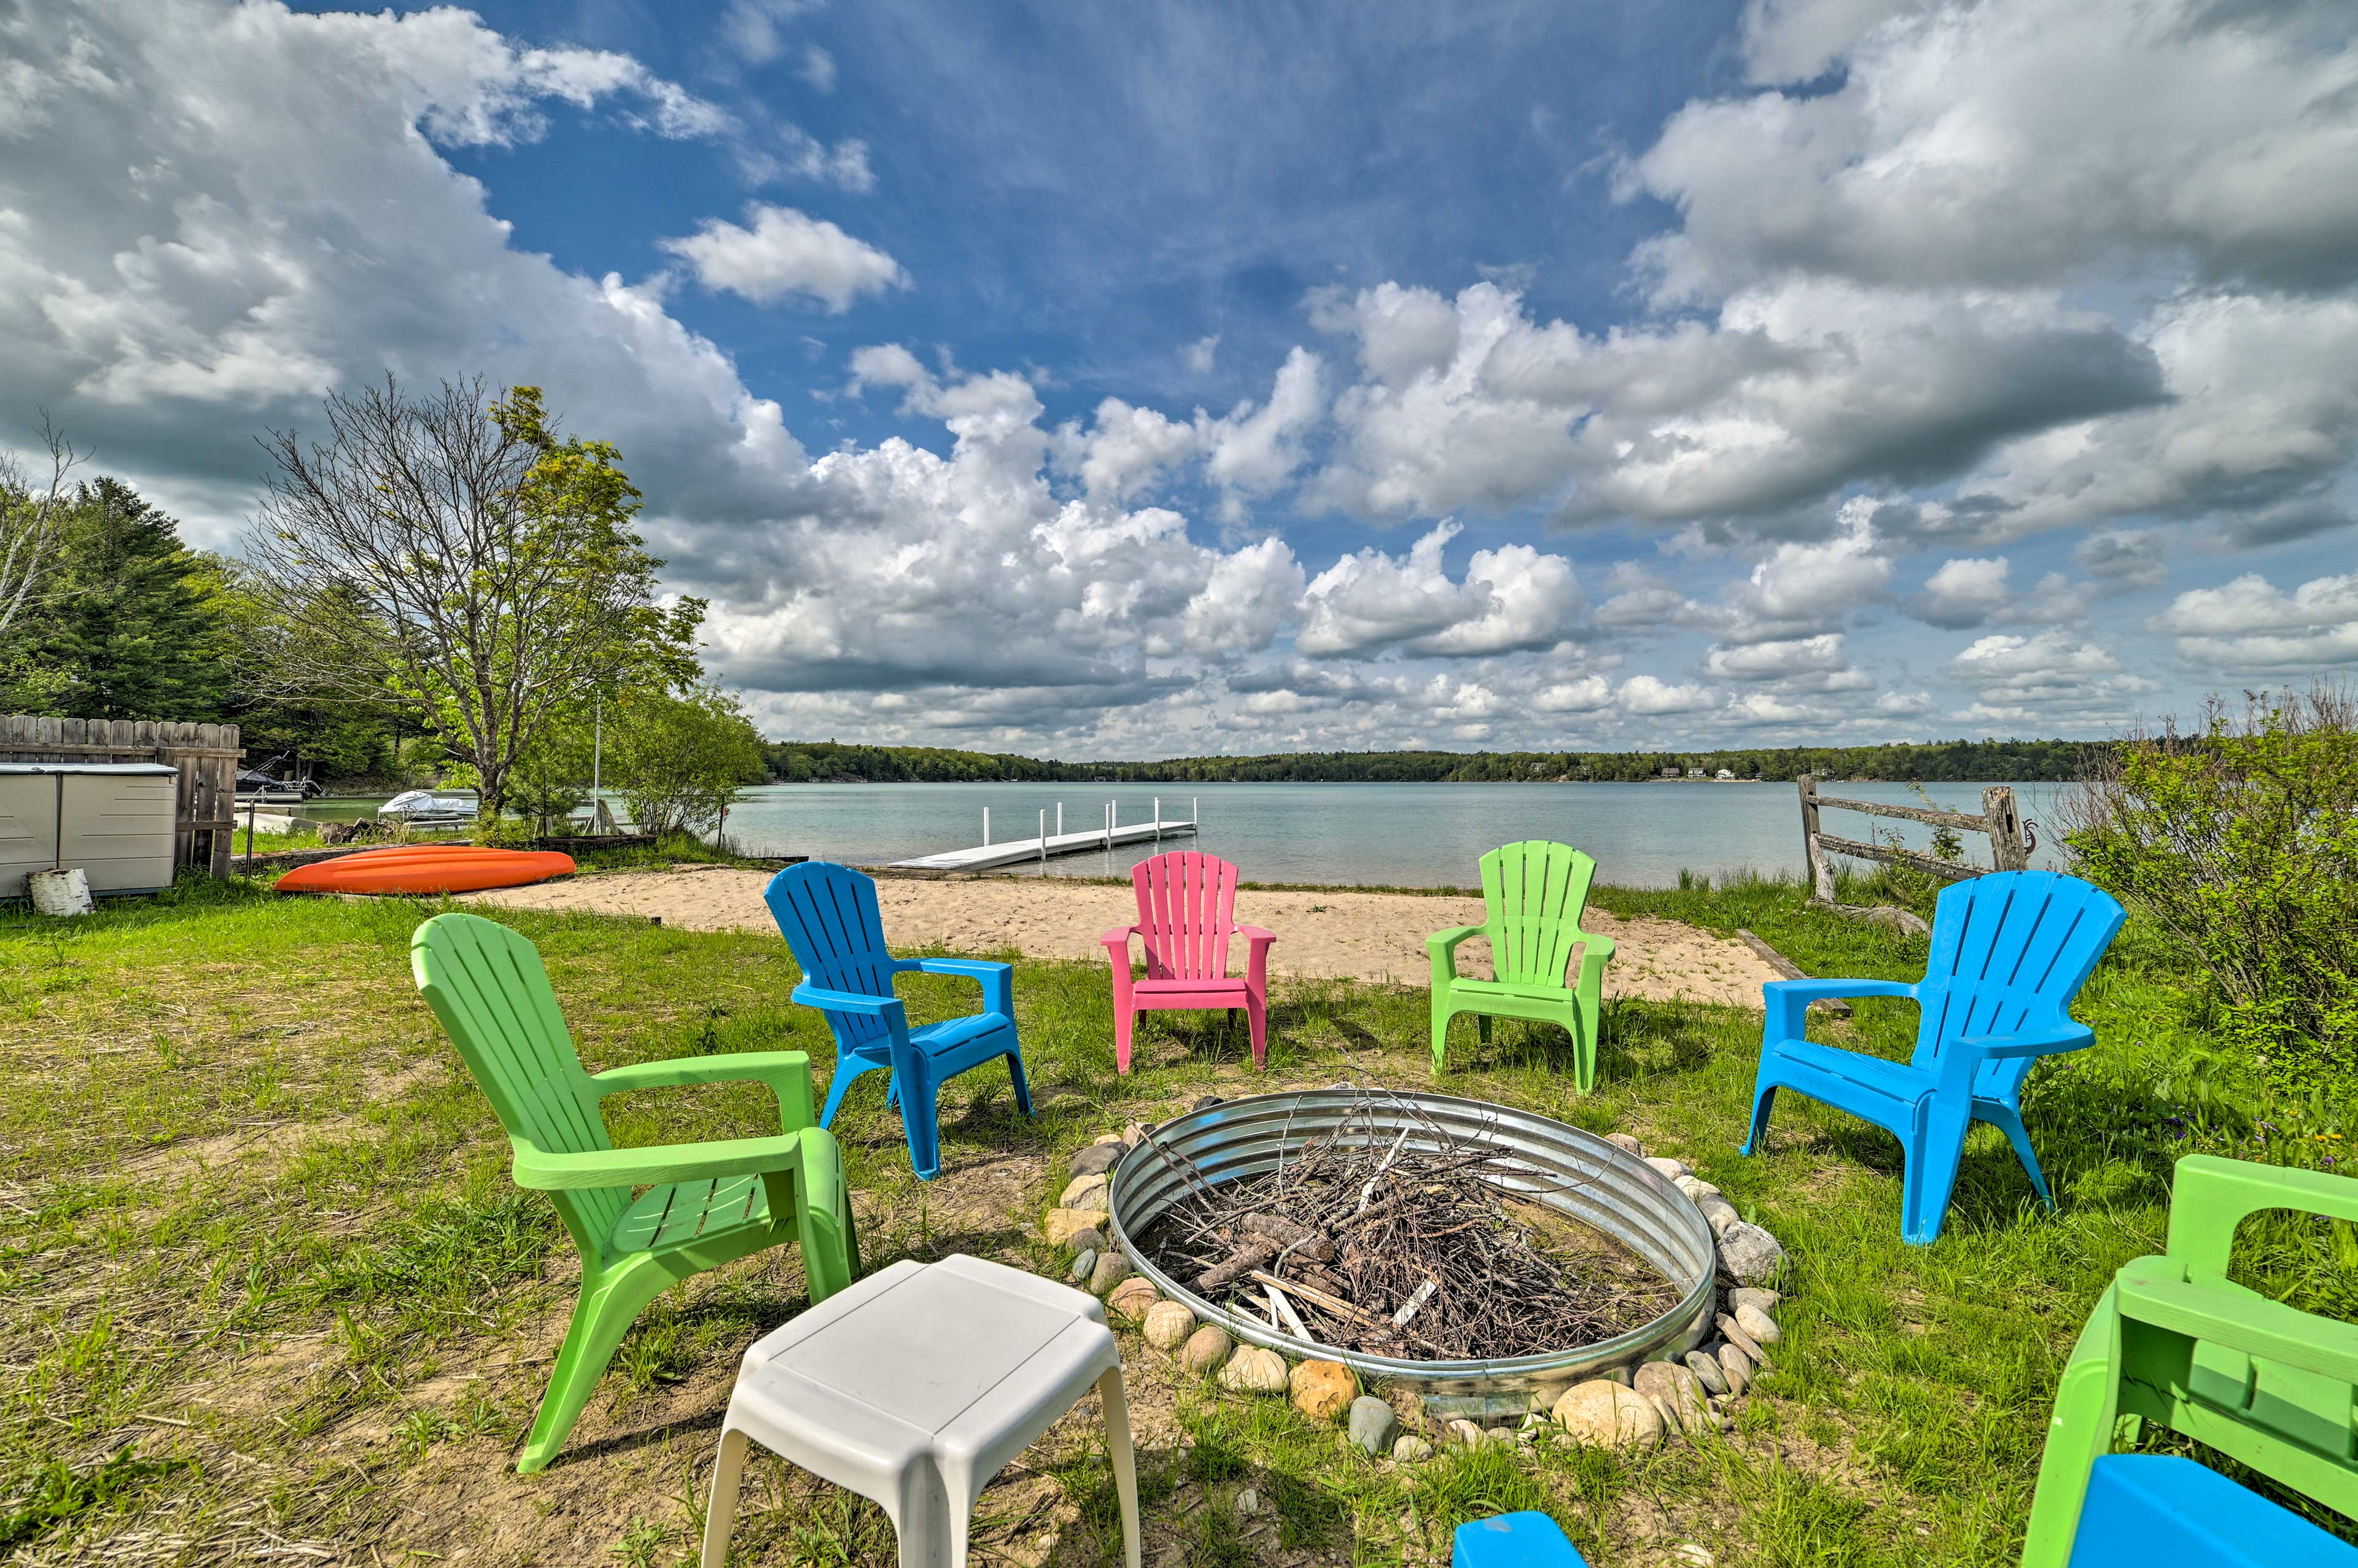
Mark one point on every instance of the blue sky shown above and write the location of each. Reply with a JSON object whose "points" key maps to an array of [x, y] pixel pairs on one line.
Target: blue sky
{"points": [[1138, 379]]}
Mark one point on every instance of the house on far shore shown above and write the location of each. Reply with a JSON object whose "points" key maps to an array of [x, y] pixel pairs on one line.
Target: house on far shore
{"points": [[1727, 774], [1697, 774]]}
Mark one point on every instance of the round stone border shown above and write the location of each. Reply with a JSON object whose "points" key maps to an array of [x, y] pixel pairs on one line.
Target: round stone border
{"points": [[1638, 1404]]}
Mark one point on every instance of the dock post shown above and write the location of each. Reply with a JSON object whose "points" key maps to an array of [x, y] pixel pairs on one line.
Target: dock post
{"points": [[1158, 822], [1195, 818], [986, 828], [1044, 835], [1060, 819]]}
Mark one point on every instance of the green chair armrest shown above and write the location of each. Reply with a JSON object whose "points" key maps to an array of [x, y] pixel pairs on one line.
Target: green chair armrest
{"points": [[786, 1071], [1594, 948], [1442, 948], [1443, 943], [2210, 1196], [549, 1170], [2155, 1291]]}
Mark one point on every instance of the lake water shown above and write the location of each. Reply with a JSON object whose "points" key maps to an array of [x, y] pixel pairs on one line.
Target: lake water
{"points": [[1408, 835]]}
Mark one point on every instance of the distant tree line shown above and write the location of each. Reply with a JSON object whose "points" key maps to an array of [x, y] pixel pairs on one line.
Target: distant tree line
{"points": [[826, 762], [804, 761]]}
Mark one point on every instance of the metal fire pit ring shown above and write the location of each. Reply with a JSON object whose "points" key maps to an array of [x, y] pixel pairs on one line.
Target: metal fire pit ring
{"points": [[1575, 1172]]}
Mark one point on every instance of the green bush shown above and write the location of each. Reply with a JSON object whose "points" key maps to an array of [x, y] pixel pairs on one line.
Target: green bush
{"points": [[2241, 840], [678, 761]]}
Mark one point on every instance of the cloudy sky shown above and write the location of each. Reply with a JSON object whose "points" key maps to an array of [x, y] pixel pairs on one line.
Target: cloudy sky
{"points": [[1152, 378]]}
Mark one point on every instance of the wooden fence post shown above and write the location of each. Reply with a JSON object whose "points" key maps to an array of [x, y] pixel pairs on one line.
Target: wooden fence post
{"points": [[2008, 852], [1816, 866]]}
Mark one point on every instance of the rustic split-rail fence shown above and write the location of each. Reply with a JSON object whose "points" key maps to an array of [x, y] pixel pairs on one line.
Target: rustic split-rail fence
{"points": [[2010, 838], [205, 755]]}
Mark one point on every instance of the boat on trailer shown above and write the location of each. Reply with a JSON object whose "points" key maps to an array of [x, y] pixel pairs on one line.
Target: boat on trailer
{"points": [[428, 808]]}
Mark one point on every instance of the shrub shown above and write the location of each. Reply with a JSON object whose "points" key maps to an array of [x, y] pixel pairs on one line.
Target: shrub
{"points": [[678, 761], [2241, 839]]}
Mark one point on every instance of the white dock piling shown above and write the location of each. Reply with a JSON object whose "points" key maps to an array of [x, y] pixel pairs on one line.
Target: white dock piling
{"points": [[1044, 835], [986, 828]]}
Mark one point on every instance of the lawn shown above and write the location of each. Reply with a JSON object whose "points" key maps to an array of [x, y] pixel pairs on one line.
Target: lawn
{"points": [[269, 1292]]}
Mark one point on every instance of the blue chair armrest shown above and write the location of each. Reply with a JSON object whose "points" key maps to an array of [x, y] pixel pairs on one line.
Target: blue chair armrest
{"points": [[998, 981], [888, 1008], [1995, 1047], [1789, 1000]]}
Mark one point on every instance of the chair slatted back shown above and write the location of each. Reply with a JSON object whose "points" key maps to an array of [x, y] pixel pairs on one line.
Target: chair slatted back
{"points": [[1532, 895], [486, 984], [2178, 1343], [835, 927], [1186, 913], [2298, 1425], [2009, 951]]}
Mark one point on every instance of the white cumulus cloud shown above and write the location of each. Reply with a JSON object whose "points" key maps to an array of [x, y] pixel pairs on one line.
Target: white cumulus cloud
{"points": [[2251, 624], [785, 252]]}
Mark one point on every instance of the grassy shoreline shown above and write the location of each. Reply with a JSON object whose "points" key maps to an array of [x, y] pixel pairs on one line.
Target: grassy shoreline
{"points": [[268, 1286]]}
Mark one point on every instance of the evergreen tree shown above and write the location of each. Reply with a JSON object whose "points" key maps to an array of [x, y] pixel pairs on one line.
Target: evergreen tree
{"points": [[128, 629]]}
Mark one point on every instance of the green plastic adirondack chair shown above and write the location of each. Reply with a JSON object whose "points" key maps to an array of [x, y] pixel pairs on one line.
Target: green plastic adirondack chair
{"points": [[2173, 1340], [705, 1204], [1533, 893]]}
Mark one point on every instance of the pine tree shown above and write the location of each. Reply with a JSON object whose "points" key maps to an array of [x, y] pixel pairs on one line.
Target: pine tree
{"points": [[130, 630]]}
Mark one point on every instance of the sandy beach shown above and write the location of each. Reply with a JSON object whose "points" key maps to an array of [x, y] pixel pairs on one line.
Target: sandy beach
{"points": [[1361, 935]]}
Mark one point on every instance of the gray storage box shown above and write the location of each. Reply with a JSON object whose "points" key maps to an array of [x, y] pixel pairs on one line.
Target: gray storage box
{"points": [[115, 820]]}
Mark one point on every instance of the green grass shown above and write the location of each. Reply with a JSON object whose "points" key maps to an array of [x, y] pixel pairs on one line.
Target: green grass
{"points": [[267, 1285]]}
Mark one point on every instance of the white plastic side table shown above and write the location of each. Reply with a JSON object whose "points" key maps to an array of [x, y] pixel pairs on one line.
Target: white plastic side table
{"points": [[916, 1385]]}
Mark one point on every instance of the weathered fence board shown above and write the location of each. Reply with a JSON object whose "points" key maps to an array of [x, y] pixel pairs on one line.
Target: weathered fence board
{"points": [[2000, 820], [206, 755], [1892, 854]]}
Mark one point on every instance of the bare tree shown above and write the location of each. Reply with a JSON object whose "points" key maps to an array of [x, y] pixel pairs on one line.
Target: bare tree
{"points": [[28, 517], [447, 555]]}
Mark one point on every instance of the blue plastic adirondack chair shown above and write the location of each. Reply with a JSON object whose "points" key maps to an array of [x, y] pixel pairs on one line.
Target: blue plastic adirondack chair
{"points": [[831, 919], [2009, 952]]}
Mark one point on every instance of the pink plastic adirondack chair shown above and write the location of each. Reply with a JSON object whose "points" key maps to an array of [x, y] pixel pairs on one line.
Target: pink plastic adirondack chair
{"points": [[1186, 912]]}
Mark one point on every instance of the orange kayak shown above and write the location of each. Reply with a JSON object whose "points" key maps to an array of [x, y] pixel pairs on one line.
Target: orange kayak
{"points": [[427, 869]]}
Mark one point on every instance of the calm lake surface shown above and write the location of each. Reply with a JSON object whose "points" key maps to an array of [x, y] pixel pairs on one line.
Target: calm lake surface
{"points": [[1407, 835]]}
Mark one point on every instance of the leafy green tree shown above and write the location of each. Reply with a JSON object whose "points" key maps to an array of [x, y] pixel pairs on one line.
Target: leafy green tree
{"points": [[449, 554], [678, 761], [551, 781]]}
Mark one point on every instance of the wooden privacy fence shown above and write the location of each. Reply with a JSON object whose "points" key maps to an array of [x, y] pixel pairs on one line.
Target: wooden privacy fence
{"points": [[2010, 842], [205, 754]]}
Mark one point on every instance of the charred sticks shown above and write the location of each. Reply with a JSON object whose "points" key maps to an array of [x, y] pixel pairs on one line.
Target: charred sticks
{"points": [[1406, 1246]]}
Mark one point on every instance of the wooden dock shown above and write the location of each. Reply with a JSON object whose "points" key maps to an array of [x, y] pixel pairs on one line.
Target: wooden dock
{"points": [[1046, 845]]}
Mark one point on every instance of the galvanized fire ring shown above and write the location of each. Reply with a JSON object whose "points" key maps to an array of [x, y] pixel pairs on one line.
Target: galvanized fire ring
{"points": [[1576, 1172]]}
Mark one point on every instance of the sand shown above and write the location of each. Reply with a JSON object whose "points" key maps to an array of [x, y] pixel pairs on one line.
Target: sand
{"points": [[1360, 936]]}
